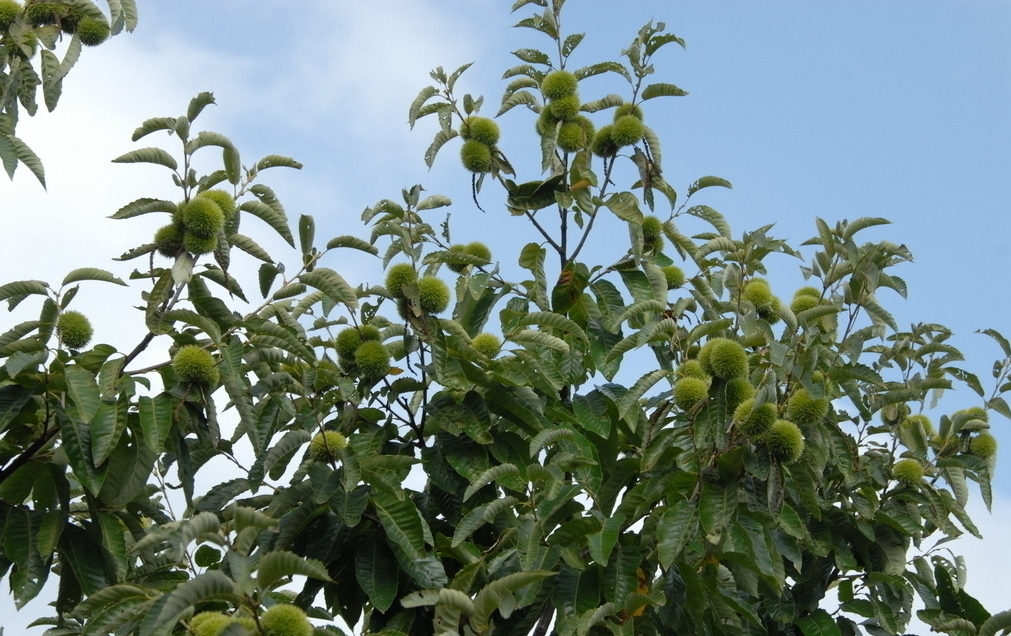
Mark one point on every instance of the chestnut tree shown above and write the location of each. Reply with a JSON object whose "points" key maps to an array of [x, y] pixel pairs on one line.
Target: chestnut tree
{"points": [[652, 438]]}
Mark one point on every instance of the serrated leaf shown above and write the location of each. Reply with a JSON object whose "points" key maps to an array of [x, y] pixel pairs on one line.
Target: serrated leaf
{"points": [[631, 399], [534, 339], [289, 442], [533, 56], [662, 89], [608, 101], [999, 338], [332, 284], [208, 138], [602, 67], [153, 125], [233, 165], [862, 223], [479, 516], [551, 320], [714, 218], [490, 475], [352, 242], [438, 142], [22, 288], [251, 247], [92, 273], [434, 201], [271, 216], [143, 206], [198, 103], [376, 571], [306, 233], [426, 93], [208, 586], [657, 41], [13, 151], [155, 420], [818, 623], [708, 182], [402, 523], [83, 390], [278, 566], [571, 42], [277, 161], [675, 530], [107, 426], [997, 622], [149, 155]]}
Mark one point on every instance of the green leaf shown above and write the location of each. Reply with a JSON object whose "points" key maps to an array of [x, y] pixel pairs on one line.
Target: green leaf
{"points": [[997, 622], [22, 288], [643, 384], [13, 150], [426, 93], [517, 98], [602, 67], [661, 89], [52, 81], [271, 216], [289, 443], [208, 586], [107, 426], [708, 182], [716, 506], [654, 43], [675, 530], [402, 523], [92, 273], [551, 320], [83, 390], [818, 623], [489, 476], [438, 142], [156, 156], [485, 513], [114, 533], [84, 556], [533, 56], [143, 206], [602, 543], [208, 138], [549, 437], [534, 340], [625, 206], [376, 571], [153, 125], [433, 202], [306, 233], [197, 104], [278, 566], [251, 247], [352, 242], [854, 226], [330, 283], [999, 338], [233, 165]]}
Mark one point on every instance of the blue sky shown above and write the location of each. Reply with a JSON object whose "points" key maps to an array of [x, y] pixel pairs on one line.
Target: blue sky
{"points": [[897, 109]]}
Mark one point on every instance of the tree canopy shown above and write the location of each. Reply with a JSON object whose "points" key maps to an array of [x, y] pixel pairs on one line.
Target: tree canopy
{"points": [[653, 440]]}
